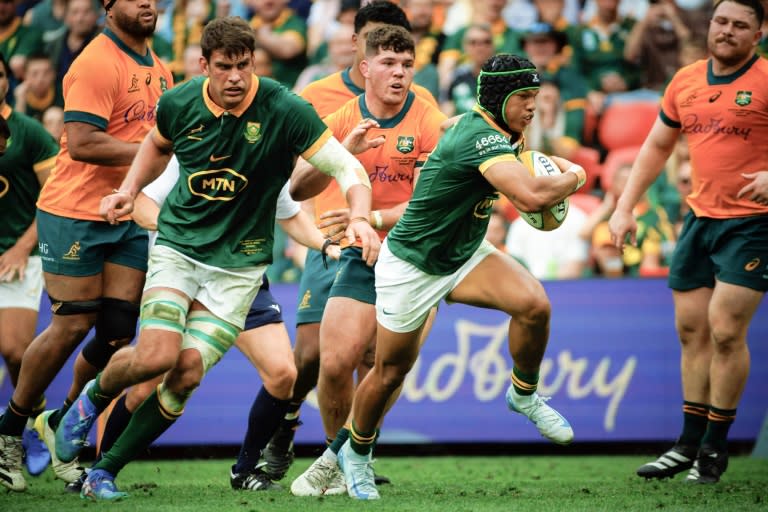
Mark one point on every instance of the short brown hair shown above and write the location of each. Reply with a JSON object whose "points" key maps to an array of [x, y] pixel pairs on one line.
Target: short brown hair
{"points": [[232, 35], [389, 37]]}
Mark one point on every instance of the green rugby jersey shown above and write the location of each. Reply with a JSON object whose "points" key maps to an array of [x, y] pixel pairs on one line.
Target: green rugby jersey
{"points": [[447, 217], [232, 165], [29, 150]]}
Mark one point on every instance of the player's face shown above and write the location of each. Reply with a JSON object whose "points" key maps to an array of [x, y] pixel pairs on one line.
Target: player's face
{"points": [[7, 12], [733, 33], [4, 84], [229, 76], [135, 17], [520, 108], [388, 76]]}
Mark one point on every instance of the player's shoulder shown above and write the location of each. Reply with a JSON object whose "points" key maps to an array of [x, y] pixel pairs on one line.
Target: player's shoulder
{"points": [[330, 82], [423, 93]]}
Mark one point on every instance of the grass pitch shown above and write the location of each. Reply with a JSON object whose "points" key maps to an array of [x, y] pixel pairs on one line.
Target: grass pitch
{"points": [[423, 484]]}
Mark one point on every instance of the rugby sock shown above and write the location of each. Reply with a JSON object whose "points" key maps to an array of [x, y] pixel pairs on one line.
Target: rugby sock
{"points": [[694, 423], [116, 423], [55, 418], [361, 442], [39, 407], [266, 414], [292, 412], [14, 419], [524, 383], [720, 421], [148, 423], [97, 395], [341, 437]]}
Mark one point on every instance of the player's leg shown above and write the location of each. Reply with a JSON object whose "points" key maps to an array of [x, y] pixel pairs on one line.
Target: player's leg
{"points": [[19, 305], [315, 284], [266, 344], [498, 281]]}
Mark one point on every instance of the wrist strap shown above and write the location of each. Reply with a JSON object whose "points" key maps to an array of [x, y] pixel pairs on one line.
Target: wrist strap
{"points": [[581, 175], [376, 219]]}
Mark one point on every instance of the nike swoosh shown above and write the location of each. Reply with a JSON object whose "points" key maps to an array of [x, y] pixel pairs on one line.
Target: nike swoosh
{"points": [[218, 158]]}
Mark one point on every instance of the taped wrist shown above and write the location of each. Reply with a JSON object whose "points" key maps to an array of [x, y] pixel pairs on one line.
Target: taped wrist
{"points": [[334, 160], [580, 173]]}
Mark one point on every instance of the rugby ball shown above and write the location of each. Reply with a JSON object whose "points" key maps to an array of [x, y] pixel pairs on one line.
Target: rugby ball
{"points": [[539, 164]]}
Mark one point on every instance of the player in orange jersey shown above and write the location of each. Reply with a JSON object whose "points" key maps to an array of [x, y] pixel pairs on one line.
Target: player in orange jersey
{"points": [[93, 271], [326, 95], [719, 270]]}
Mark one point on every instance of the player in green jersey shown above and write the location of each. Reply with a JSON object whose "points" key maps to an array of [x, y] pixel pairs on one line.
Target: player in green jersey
{"points": [[437, 251], [235, 136]]}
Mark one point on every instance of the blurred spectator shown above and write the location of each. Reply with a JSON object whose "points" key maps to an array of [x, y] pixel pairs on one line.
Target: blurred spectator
{"points": [[655, 238], [40, 89], [520, 14], [47, 17], [53, 122], [262, 62], [16, 41], [598, 53], [192, 55], [684, 188], [557, 254], [183, 24], [488, 12], [655, 43], [429, 41], [461, 95], [341, 54], [558, 126], [283, 34], [81, 25], [319, 53]]}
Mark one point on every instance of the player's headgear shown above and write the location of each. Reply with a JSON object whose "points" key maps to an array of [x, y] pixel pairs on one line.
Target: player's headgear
{"points": [[502, 76]]}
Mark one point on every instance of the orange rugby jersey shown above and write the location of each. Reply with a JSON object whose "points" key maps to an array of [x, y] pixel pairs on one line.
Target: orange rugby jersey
{"points": [[327, 95], [725, 119], [410, 137], [113, 88]]}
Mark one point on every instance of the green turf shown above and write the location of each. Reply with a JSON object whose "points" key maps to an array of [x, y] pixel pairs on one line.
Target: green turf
{"points": [[424, 484]]}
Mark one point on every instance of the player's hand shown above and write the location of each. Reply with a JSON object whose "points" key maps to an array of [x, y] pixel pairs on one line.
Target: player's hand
{"points": [[757, 189], [621, 224], [360, 229], [333, 252], [356, 141], [13, 264], [336, 222], [116, 205]]}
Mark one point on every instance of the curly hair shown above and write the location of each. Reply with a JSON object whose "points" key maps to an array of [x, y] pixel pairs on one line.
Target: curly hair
{"points": [[502, 76]]}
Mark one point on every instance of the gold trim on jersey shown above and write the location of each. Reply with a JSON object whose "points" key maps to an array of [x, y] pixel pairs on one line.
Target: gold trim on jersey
{"points": [[491, 121], [501, 158], [158, 138], [45, 165], [237, 112], [319, 143]]}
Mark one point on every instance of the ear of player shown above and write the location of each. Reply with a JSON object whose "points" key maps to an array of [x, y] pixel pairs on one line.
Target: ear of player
{"points": [[539, 164]]}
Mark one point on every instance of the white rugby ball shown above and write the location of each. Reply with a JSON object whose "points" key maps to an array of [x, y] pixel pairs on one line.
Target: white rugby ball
{"points": [[539, 164]]}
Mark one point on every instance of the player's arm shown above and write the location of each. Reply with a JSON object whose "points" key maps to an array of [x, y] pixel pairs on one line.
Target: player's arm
{"points": [[281, 45], [529, 193], [151, 159], [308, 181], [145, 212], [334, 160], [646, 168], [89, 143]]}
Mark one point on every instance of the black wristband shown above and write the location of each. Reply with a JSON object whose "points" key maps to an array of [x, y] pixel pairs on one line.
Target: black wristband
{"points": [[324, 252]]}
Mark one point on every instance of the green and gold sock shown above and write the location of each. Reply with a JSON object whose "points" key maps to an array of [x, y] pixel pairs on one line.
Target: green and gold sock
{"points": [[524, 383]]}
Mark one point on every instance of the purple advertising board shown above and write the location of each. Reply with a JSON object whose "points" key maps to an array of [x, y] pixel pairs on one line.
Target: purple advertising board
{"points": [[611, 368]]}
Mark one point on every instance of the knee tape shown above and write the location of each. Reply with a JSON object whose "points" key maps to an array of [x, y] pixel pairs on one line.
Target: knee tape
{"points": [[171, 403], [74, 307], [210, 336], [115, 327], [164, 310]]}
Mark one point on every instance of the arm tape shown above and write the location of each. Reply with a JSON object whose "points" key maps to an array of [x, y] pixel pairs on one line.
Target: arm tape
{"points": [[335, 161]]}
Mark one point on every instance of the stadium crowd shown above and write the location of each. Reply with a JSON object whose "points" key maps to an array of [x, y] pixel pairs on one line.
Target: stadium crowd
{"points": [[604, 65]]}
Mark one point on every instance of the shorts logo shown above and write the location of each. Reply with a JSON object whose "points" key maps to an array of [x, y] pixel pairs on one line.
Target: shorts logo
{"points": [[405, 144], [304, 304], [743, 98], [73, 252], [55, 306], [252, 132], [134, 84], [752, 265]]}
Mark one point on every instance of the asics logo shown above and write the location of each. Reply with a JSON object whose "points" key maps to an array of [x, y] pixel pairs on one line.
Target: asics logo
{"points": [[715, 96]]}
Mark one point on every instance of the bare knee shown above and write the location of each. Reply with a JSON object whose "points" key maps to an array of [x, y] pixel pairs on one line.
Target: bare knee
{"points": [[187, 374], [12, 354], [279, 383], [392, 375], [306, 352], [536, 311], [70, 330], [335, 368]]}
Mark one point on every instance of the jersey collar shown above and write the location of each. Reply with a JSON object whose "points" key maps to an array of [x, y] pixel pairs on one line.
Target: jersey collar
{"points": [[713, 79], [6, 111], [237, 112]]}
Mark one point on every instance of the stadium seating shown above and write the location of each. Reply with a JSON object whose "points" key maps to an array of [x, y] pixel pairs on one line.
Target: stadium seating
{"points": [[613, 161], [585, 202], [626, 123], [589, 159]]}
